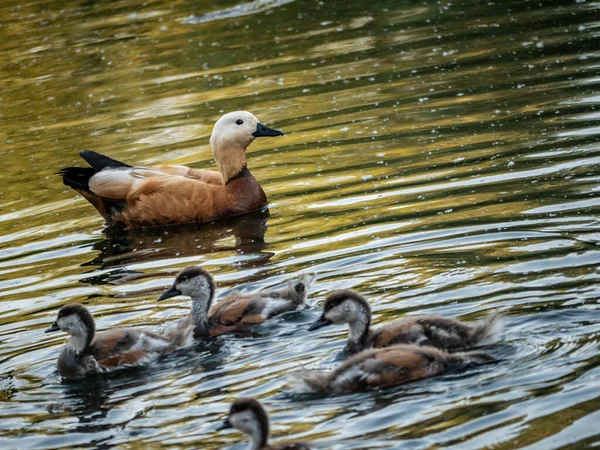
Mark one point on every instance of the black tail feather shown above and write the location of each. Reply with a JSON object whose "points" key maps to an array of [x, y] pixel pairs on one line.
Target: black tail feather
{"points": [[99, 162], [77, 177]]}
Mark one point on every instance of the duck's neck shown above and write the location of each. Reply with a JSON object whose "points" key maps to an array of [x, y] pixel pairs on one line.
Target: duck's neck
{"points": [[258, 438], [80, 342], [230, 160], [201, 302], [359, 331], [200, 314]]}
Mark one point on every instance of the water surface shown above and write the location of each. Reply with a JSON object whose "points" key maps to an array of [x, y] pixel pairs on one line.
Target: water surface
{"points": [[439, 157]]}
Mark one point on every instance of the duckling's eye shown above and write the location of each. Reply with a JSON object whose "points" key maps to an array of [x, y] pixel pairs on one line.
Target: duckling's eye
{"points": [[239, 121], [183, 279]]}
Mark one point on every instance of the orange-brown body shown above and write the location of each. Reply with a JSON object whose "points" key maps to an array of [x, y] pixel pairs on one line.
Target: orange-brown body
{"points": [[238, 311], [376, 368], [171, 199]]}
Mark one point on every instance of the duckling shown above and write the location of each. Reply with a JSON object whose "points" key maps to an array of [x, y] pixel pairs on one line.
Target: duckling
{"points": [[88, 352], [249, 416], [378, 368], [349, 307], [236, 311], [162, 195]]}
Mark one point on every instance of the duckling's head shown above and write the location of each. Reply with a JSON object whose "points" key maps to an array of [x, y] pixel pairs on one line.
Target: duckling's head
{"points": [[248, 416], [231, 135], [194, 282], [75, 320], [343, 306]]}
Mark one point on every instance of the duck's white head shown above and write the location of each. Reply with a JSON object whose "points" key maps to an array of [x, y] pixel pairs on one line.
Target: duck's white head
{"points": [[249, 416], [345, 306], [232, 134]]}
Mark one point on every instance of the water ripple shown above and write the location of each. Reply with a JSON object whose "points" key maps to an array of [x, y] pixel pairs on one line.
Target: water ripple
{"points": [[440, 158]]}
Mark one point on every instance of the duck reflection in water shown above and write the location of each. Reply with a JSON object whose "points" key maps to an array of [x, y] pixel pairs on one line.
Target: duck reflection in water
{"points": [[244, 235]]}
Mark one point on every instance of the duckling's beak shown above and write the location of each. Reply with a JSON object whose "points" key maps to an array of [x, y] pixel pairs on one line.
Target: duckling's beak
{"points": [[225, 425], [261, 131], [52, 328], [322, 322], [171, 292]]}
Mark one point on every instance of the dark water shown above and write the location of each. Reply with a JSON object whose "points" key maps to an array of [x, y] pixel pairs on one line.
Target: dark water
{"points": [[440, 157]]}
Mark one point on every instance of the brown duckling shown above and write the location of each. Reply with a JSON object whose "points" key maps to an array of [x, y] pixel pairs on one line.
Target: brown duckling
{"points": [[161, 195], [347, 306], [249, 416], [236, 311], [88, 352], [378, 368]]}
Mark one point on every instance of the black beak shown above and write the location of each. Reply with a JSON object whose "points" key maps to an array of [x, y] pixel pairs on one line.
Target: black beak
{"points": [[261, 131], [225, 425], [52, 328], [322, 322], [171, 292]]}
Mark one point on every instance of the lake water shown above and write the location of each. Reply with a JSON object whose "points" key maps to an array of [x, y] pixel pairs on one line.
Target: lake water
{"points": [[439, 157]]}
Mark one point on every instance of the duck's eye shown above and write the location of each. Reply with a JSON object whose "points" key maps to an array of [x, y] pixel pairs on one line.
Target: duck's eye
{"points": [[239, 121]]}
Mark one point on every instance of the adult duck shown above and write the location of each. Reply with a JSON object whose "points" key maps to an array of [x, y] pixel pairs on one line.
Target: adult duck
{"points": [[162, 195]]}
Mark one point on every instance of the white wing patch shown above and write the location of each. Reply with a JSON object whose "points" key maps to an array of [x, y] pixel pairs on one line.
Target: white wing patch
{"points": [[151, 343], [350, 376], [274, 306], [112, 183]]}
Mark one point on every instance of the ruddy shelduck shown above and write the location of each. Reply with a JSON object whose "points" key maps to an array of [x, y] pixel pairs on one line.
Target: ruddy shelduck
{"points": [[162, 195]]}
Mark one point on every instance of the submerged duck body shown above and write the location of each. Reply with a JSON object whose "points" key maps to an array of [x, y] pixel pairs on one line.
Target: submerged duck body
{"points": [[236, 311], [88, 352], [379, 368], [249, 416], [162, 194], [347, 306]]}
